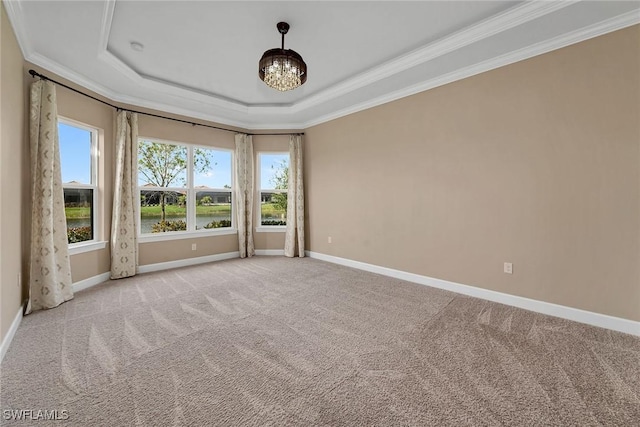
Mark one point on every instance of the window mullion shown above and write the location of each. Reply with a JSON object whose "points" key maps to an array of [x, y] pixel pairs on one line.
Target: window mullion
{"points": [[191, 196], [190, 193], [80, 196]]}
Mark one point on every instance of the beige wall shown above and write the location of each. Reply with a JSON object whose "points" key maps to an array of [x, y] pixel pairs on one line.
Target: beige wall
{"points": [[536, 163], [13, 138], [173, 250], [100, 116], [156, 252], [76, 107]]}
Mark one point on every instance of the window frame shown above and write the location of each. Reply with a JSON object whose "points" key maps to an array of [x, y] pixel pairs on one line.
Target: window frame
{"points": [[96, 220], [258, 194], [190, 192]]}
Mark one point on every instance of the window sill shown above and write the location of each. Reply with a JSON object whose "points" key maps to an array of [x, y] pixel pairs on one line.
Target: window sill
{"points": [[271, 229], [178, 235], [79, 248]]}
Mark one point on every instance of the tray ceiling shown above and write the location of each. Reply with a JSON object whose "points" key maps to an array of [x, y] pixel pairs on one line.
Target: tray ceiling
{"points": [[200, 58]]}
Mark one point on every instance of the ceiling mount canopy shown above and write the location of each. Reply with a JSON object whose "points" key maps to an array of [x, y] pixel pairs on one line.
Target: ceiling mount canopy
{"points": [[280, 68]]}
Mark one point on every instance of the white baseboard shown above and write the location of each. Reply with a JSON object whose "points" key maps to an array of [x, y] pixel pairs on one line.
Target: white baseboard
{"points": [[575, 314], [6, 341], [91, 281], [270, 252], [101, 278], [77, 286], [187, 262]]}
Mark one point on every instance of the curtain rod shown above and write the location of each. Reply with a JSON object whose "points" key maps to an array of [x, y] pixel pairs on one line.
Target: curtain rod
{"points": [[34, 74]]}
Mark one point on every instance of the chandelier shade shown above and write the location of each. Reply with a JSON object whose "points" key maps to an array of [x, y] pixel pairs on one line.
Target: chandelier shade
{"points": [[280, 68]]}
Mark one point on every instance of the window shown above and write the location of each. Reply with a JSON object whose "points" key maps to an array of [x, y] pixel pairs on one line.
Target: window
{"points": [[78, 160], [184, 187], [274, 177]]}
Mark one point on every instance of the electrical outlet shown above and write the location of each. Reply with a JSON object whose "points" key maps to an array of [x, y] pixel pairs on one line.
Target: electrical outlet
{"points": [[19, 280], [194, 246], [508, 268], [329, 239]]}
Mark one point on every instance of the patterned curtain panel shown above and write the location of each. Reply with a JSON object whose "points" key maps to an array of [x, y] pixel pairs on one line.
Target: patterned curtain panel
{"points": [[244, 194], [295, 201], [49, 267], [124, 243]]}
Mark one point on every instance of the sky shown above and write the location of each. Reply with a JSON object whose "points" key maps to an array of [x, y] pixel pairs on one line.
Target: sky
{"points": [[217, 175], [75, 156], [75, 153], [269, 164]]}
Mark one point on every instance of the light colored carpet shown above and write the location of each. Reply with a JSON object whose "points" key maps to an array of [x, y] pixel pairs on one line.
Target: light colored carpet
{"points": [[276, 341]]}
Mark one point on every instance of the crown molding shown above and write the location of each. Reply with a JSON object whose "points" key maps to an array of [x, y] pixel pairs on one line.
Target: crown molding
{"points": [[613, 24], [14, 12], [60, 70], [254, 116], [110, 59], [105, 26], [496, 24], [56, 68]]}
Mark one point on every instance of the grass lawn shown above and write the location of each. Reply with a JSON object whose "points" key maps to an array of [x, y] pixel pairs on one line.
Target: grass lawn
{"points": [[78, 213], [175, 210], [267, 209]]}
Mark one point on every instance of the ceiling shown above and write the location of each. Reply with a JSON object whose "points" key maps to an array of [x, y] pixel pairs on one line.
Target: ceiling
{"points": [[200, 59]]}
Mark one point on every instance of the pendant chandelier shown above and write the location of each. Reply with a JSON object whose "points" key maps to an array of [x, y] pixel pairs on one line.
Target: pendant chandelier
{"points": [[282, 69]]}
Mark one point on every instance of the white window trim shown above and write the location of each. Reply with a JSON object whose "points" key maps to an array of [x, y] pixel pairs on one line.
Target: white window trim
{"points": [[190, 191], [271, 229], [88, 246], [258, 197], [177, 235], [95, 243]]}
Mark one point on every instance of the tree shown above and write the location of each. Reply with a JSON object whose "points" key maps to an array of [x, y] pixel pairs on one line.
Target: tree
{"points": [[206, 200], [163, 165], [280, 181]]}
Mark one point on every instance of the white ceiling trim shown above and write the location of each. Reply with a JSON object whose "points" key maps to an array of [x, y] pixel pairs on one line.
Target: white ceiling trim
{"points": [[14, 11], [56, 68], [613, 24], [105, 27], [506, 20], [492, 26], [103, 53], [109, 59], [496, 24]]}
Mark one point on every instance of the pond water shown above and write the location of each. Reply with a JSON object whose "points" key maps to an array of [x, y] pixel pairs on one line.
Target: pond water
{"points": [[147, 223]]}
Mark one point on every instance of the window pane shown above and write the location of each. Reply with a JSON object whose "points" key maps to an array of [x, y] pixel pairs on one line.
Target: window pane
{"points": [[212, 168], [273, 208], [78, 208], [161, 165], [75, 154], [162, 211], [274, 171], [213, 209]]}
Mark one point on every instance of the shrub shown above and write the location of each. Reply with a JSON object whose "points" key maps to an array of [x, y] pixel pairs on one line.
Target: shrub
{"points": [[274, 222], [79, 234], [162, 226], [219, 224]]}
